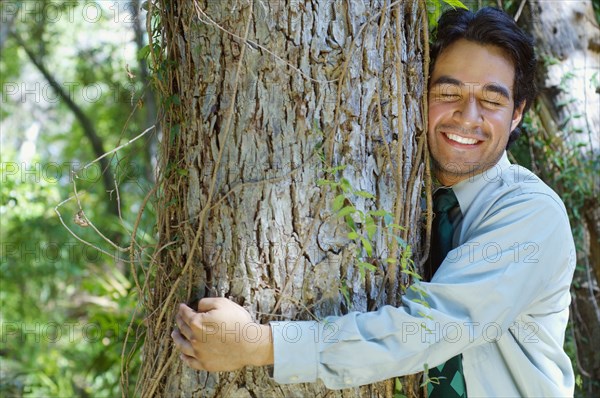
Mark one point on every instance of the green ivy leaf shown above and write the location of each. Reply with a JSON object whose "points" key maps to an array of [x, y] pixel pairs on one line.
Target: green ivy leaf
{"points": [[346, 211], [338, 202], [371, 229], [350, 221], [365, 194], [322, 182], [455, 4], [367, 245], [422, 302], [396, 226], [333, 170], [379, 213], [144, 51], [365, 265], [434, 10], [398, 389], [345, 185], [353, 235]]}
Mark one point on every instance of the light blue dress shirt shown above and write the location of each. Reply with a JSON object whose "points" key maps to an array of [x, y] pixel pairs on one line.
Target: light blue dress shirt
{"points": [[501, 298]]}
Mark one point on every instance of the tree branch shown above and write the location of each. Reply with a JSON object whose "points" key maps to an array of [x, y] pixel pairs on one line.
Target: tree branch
{"points": [[88, 127]]}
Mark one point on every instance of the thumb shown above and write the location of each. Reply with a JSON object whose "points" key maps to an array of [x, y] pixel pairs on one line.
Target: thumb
{"points": [[209, 303]]}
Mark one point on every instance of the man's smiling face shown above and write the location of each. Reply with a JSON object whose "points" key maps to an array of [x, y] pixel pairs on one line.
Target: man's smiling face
{"points": [[471, 109]]}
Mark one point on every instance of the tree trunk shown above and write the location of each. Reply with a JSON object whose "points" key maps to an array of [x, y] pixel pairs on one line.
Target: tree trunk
{"points": [[263, 100], [568, 44]]}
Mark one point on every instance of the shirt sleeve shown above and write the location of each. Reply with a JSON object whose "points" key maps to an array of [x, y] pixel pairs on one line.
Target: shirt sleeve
{"points": [[513, 258]]}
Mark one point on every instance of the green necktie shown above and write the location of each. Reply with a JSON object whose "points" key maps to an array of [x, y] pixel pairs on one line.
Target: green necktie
{"points": [[449, 374]]}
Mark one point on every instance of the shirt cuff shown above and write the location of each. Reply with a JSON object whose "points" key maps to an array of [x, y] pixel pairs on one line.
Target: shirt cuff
{"points": [[295, 350]]}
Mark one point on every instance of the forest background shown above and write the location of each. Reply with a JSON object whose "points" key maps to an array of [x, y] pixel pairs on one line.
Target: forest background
{"points": [[79, 114]]}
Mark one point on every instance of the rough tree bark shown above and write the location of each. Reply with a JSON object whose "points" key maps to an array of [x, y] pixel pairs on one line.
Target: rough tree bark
{"points": [[568, 42], [262, 98]]}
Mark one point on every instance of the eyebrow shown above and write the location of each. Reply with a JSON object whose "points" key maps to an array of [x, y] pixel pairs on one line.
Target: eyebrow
{"points": [[492, 87], [498, 89]]}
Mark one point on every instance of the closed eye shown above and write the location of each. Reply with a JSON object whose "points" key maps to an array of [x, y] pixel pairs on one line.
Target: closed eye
{"points": [[492, 103], [448, 97]]}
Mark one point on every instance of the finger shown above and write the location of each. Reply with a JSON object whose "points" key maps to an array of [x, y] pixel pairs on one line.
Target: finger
{"points": [[186, 314], [184, 328], [209, 303], [192, 362], [182, 344]]}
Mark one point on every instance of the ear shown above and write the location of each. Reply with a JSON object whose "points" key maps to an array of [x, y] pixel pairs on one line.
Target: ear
{"points": [[517, 116]]}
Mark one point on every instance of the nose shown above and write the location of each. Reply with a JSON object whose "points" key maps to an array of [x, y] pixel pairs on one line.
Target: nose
{"points": [[468, 112]]}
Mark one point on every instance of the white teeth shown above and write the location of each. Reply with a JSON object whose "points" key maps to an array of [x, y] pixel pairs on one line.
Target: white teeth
{"points": [[462, 140]]}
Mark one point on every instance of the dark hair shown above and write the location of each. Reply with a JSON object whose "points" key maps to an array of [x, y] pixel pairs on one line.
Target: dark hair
{"points": [[492, 26]]}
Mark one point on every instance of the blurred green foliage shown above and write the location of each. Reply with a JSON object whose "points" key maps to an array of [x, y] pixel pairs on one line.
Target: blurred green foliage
{"points": [[66, 307]]}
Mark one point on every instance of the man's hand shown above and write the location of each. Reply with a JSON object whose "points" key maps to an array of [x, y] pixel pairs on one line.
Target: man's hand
{"points": [[221, 336]]}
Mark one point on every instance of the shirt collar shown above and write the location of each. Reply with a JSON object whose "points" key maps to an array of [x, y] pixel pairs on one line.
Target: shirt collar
{"points": [[467, 190]]}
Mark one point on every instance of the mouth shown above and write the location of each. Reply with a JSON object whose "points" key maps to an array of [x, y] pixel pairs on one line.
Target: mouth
{"points": [[461, 140]]}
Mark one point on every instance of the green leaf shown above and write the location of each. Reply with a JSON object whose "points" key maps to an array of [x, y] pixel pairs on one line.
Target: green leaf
{"points": [[367, 245], [371, 229], [379, 213], [396, 226], [409, 273], [398, 389], [144, 51], [346, 211], [345, 185], [338, 202], [455, 4], [353, 235], [424, 315], [321, 182], [419, 290], [365, 265], [397, 385], [422, 302], [434, 10], [333, 170], [350, 222], [365, 194]]}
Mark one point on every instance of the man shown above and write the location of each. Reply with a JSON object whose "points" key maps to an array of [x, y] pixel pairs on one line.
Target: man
{"points": [[497, 304]]}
